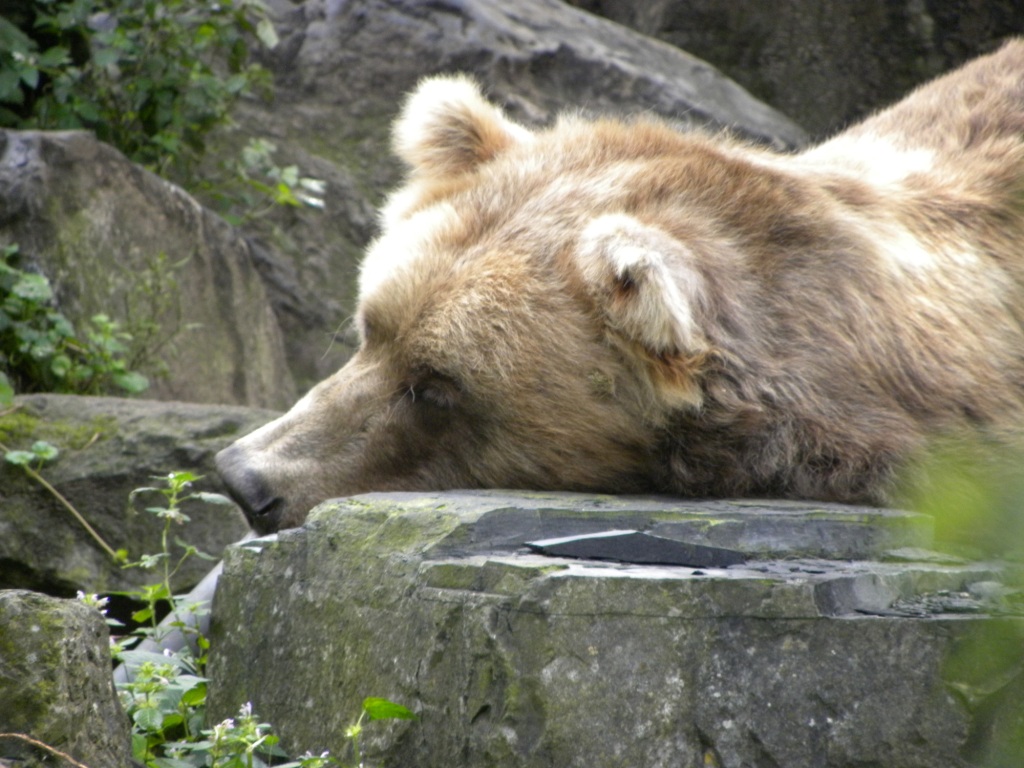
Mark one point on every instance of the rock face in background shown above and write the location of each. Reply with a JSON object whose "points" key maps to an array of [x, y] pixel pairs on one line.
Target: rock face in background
{"points": [[341, 72], [824, 64], [115, 239], [835, 645], [110, 446], [55, 683]]}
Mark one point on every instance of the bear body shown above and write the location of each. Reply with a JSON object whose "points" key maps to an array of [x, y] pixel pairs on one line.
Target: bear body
{"points": [[620, 306]]}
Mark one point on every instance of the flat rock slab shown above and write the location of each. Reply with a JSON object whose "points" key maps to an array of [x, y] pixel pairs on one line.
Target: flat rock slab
{"points": [[512, 658], [501, 521]]}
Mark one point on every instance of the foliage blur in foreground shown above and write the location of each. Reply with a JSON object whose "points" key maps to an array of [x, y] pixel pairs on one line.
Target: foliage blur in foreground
{"points": [[975, 493]]}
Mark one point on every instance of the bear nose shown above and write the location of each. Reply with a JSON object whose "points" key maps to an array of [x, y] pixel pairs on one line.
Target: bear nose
{"points": [[249, 489]]}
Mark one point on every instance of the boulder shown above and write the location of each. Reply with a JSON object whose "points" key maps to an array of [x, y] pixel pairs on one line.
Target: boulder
{"points": [[113, 238], [110, 446], [335, 96], [825, 64], [834, 644], [55, 684]]}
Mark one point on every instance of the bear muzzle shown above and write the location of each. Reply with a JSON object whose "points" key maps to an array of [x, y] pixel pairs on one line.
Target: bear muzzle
{"points": [[249, 490]]}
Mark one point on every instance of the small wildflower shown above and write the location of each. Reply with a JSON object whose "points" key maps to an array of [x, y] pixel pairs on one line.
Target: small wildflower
{"points": [[94, 601]]}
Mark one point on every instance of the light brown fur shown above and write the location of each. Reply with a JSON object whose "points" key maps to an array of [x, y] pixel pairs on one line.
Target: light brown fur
{"points": [[619, 306]]}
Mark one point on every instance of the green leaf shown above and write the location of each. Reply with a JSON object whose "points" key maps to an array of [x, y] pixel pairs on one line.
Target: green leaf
{"points": [[60, 366], [142, 616], [148, 719], [10, 90], [33, 287], [104, 57], [54, 57], [19, 458], [170, 720], [283, 195], [30, 77], [44, 450], [194, 697], [131, 382], [13, 39], [382, 709], [266, 33], [180, 479], [140, 746]]}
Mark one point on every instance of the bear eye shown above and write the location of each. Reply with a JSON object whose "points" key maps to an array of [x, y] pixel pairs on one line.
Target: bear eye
{"points": [[436, 389]]}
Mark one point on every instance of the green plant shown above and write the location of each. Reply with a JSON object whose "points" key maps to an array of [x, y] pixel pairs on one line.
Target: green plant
{"points": [[166, 696], [256, 184], [40, 350], [151, 77], [174, 492]]}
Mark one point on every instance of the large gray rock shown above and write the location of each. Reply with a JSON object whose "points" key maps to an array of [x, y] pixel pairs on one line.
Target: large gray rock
{"points": [[110, 446], [55, 684], [342, 70], [824, 63], [115, 239], [515, 659]]}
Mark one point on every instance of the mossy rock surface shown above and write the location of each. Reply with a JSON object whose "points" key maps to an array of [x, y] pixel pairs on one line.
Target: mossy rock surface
{"points": [[510, 658], [55, 683]]}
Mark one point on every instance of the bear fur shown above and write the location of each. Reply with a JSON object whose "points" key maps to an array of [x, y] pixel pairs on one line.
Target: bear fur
{"points": [[620, 306]]}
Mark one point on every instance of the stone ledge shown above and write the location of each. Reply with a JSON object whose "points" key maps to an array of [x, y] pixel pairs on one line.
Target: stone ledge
{"points": [[517, 660], [501, 521]]}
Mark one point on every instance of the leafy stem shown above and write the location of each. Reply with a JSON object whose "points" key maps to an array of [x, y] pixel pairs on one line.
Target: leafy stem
{"points": [[42, 452]]}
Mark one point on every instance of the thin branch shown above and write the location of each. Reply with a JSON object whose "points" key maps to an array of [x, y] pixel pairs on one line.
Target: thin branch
{"points": [[43, 746]]}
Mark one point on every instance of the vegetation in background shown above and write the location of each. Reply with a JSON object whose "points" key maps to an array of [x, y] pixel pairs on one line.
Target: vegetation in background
{"points": [[41, 351], [154, 79], [255, 184], [151, 77]]}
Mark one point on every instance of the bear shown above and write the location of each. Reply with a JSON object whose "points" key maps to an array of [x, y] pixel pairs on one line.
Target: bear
{"points": [[621, 305]]}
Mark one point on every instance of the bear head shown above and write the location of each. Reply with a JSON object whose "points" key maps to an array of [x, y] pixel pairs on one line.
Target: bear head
{"points": [[529, 317]]}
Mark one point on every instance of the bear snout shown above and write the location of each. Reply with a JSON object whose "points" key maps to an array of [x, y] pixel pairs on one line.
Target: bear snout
{"points": [[249, 490]]}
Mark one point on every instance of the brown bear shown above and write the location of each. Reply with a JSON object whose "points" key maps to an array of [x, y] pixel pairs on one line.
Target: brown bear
{"points": [[617, 305]]}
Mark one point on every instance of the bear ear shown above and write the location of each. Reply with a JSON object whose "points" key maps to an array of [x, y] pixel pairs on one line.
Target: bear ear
{"points": [[447, 127], [651, 293]]}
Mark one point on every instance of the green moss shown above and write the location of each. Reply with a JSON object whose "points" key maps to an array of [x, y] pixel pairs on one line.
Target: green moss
{"points": [[20, 428], [461, 576]]}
